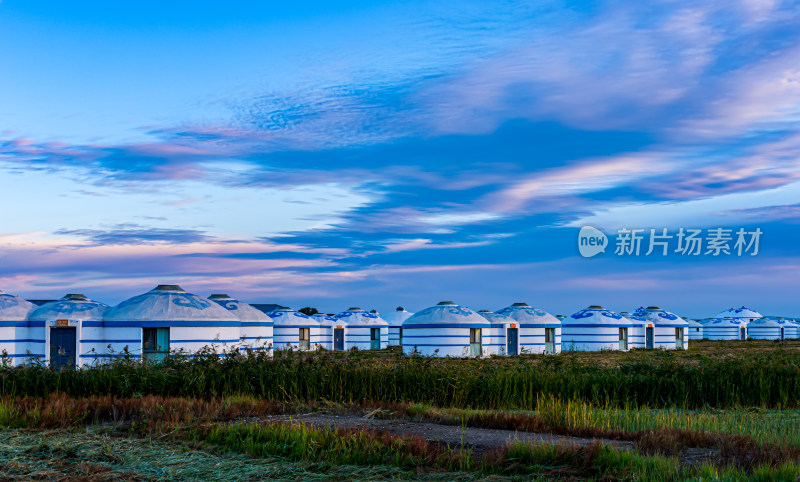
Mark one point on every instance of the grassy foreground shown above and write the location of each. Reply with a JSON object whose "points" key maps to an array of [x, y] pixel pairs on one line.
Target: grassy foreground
{"points": [[767, 377]]}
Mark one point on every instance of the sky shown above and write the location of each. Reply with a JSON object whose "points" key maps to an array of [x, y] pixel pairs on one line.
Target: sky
{"points": [[376, 154]]}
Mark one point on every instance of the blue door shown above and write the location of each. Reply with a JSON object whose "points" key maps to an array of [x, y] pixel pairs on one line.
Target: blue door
{"points": [[338, 339], [649, 337], [512, 336], [63, 347]]}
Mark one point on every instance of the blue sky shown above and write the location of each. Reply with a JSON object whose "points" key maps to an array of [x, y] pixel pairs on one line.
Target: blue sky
{"points": [[398, 153]]}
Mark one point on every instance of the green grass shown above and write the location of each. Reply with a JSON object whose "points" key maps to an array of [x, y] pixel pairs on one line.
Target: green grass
{"points": [[767, 378]]}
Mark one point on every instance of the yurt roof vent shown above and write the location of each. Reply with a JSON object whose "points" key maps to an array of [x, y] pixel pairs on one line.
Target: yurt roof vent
{"points": [[75, 296], [520, 304], [168, 288], [354, 308], [446, 303], [484, 311], [595, 307], [653, 308], [399, 308], [218, 296]]}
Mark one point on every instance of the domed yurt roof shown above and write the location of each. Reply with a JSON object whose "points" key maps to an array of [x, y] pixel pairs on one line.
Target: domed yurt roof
{"points": [[397, 316], [727, 320], [448, 313], [356, 315], [495, 317], [656, 315], [597, 315], [742, 312], [766, 323], [169, 303], [285, 316], [526, 314], [71, 306], [240, 309], [14, 308], [693, 323], [326, 320]]}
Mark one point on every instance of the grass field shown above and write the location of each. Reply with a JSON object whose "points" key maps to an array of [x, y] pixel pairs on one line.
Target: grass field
{"points": [[720, 411]]}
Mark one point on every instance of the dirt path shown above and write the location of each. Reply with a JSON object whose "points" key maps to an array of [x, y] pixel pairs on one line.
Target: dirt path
{"points": [[479, 439]]}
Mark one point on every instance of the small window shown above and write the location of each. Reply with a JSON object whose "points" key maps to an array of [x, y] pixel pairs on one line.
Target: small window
{"points": [[623, 338], [679, 338], [375, 338], [475, 340], [305, 338], [155, 344]]}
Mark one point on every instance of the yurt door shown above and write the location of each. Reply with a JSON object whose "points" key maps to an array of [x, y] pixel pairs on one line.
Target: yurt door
{"points": [[475, 342], [782, 334], [338, 339], [549, 340], [742, 333], [648, 337], [512, 340], [62, 347]]}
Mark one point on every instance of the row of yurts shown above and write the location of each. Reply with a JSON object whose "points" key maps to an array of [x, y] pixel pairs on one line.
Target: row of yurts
{"points": [[81, 331]]}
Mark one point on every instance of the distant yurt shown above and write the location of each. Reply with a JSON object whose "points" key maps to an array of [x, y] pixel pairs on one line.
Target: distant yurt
{"points": [[537, 330], [256, 330], [663, 329], [296, 331], [362, 330], [742, 313], [17, 345], [766, 329], [167, 318], [695, 329], [395, 320], [332, 332], [446, 329], [72, 330], [595, 329], [791, 328], [495, 340], [725, 328]]}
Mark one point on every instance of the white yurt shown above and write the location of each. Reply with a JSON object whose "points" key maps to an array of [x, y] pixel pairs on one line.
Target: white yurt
{"points": [[168, 319], [296, 331], [595, 328], [538, 330], [663, 329], [332, 332], [495, 340], [256, 330], [395, 320], [445, 330], [362, 330], [743, 313], [725, 328], [72, 330], [636, 335], [766, 329], [695, 329], [791, 328], [17, 344]]}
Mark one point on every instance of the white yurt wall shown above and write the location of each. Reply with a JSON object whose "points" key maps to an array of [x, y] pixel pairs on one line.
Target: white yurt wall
{"points": [[595, 329], [296, 331], [167, 318], [72, 330], [495, 341], [766, 329], [16, 337], [395, 320], [256, 330], [445, 330], [362, 330], [539, 331], [695, 329], [636, 336], [670, 331], [725, 328], [329, 325]]}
